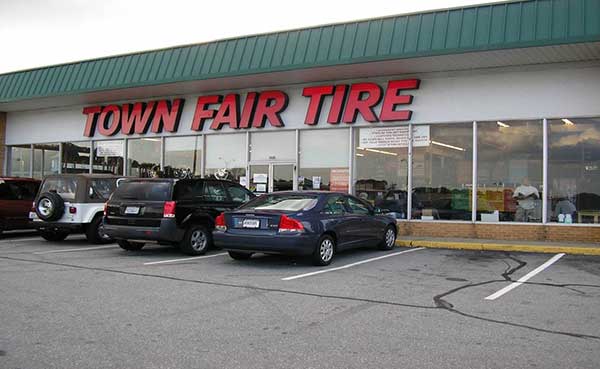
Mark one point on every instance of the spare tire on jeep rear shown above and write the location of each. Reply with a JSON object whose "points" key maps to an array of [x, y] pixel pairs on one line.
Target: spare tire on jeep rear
{"points": [[50, 206]]}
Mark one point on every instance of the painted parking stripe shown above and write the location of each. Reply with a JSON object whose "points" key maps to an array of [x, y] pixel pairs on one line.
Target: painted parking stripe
{"points": [[71, 250], [184, 259], [21, 240], [525, 278], [349, 265]]}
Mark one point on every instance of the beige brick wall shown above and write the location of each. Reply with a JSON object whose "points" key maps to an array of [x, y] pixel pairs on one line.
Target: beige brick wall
{"points": [[2, 141], [516, 232]]}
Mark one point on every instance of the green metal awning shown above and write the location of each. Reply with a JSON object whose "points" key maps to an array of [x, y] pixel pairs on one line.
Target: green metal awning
{"points": [[513, 25]]}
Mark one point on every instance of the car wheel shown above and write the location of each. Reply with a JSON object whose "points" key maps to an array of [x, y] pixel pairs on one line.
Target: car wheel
{"points": [[240, 255], [54, 236], [389, 239], [196, 241], [324, 251], [130, 245], [50, 206], [94, 231]]}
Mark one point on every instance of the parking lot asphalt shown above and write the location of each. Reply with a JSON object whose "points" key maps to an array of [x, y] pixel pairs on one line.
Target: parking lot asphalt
{"points": [[76, 305]]}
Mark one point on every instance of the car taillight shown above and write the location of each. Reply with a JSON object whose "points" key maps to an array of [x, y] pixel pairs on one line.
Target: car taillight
{"points": [[105, 209], [33, 207], [287, 224], [169, 209], [220, 223]]}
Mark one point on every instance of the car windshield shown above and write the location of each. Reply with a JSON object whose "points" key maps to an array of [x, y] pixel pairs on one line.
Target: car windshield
{"points": [[66, 187], [143, 191], [282, 202]]}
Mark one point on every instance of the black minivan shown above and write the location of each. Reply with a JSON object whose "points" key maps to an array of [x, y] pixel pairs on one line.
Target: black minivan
{"points": [[170, 211]]}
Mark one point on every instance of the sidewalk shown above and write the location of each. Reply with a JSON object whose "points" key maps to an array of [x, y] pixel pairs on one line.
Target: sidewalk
{"points": [[500, 245]]}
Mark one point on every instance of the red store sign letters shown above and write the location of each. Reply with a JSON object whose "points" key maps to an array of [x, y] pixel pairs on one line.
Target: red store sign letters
{"points": [[258, 108]]}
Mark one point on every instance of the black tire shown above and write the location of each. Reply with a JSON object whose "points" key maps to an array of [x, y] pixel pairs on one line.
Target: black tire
{"points": [[389, 239], [197, 240], [130, 246], [240, 255], [94, 232], [324, 251], [54, 236], [49, 206]]}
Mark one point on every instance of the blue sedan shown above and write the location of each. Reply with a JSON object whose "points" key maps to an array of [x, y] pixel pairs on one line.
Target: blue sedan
{"points": [[315, 224]]}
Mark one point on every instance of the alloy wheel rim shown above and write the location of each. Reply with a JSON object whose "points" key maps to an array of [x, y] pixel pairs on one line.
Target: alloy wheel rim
{"points": [[45, 207], [326, 250], [198, 240], [390, 238]]}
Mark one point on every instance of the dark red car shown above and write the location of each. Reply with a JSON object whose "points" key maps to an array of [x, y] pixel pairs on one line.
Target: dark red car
{"points": [[16, 197]]}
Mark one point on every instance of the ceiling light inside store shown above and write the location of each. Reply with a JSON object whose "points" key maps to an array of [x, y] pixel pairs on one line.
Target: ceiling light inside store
{"points": [[151, 139], [568, 122], [448, 146], [502, 124], [360, 154], [382, 152], [360, 148]]}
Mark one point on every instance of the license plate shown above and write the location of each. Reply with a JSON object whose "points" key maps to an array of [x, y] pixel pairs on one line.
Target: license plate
{"points": [[32, 215], [132, 210], [251, 223]]}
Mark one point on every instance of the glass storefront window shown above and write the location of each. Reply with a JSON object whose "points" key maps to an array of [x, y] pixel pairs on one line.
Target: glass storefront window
{"points": [[324, 160], [442, 171], [574, 170], [509, 172], [143, 157], [381, 166], [273, 146], [183, 156], [76, 157], [45, 159], [108, 157], [20, 160], [226, 156]]}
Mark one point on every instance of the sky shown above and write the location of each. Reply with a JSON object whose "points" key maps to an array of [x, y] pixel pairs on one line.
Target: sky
{"points": [[35, 33]]}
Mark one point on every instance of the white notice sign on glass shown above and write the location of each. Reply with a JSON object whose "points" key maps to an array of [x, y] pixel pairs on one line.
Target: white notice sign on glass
{"points": [[109, 148], [260, 178], [388, 137]]}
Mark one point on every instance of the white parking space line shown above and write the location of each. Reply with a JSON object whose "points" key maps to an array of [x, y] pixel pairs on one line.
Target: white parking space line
{"points": [[525, 278], [349, 265], [185, 259], [71, 250], [21, 240]]}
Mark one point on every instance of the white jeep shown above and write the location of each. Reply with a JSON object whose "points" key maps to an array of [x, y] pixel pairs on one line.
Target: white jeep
{"points": [[72, 203]]}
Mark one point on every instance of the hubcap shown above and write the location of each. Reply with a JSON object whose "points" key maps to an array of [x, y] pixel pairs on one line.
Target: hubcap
{"points": [[326, 250], [198, 240], [45, 207], [390, 238]]}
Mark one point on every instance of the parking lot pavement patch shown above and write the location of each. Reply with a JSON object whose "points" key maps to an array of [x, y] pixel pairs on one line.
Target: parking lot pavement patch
{"points": [[492, 245]]}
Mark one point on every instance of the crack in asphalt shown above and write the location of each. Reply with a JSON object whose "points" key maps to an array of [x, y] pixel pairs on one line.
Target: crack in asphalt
{"points": [[443, 304], [439, 301]]}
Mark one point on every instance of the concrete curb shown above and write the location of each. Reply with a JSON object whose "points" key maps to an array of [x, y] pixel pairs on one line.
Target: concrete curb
{"points": [[485, 246]]}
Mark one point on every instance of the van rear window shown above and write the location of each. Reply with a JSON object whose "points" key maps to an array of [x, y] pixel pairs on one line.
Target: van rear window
{"points": [[143, 191]]}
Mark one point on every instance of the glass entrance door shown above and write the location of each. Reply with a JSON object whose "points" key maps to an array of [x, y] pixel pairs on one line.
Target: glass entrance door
{"points": [[271, 177]]}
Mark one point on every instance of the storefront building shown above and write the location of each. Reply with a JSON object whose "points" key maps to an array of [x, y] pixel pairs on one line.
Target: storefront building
{"points": [[488, 116]]}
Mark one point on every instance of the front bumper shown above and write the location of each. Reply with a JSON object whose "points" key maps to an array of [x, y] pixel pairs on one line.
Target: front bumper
{"points": [[167, 232], [286, 244]]}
